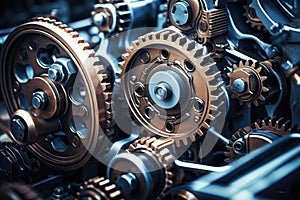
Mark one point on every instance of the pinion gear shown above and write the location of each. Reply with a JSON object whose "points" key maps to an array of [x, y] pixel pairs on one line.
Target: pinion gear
{"points": [[171, 85]]}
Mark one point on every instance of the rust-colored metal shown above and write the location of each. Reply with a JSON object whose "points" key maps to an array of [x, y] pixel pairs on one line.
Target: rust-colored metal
{"points": [[18, 85]]}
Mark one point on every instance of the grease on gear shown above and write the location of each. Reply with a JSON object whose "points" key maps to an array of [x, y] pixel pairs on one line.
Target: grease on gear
{"points": [[52, 87], [238, 145], [171, 85]]}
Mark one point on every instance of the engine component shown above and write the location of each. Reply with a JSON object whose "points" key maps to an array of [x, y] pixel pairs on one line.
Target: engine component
{"points": [[99, 188], [257, 135], [252, 18], [252, 82], [198, 17], [17, 191], [171, 85], [255, 176], [145, 171], [56, 93], [112, 16]]}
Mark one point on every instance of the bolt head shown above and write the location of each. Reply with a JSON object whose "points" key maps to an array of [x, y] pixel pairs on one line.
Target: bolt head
{"points": [[180, 13], [39, 100], [18, 129], [53, 74], [163, 91], [239, 85]]}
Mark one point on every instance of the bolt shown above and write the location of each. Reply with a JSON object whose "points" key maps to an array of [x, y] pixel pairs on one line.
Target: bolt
{"points": [[39, 100], [127, 183], [203, 26], [99, 19], [18, 129], [53, 74], [180, 13], [239, 85], [162, 91], [58, 193], [145, 57], [238, 146]]}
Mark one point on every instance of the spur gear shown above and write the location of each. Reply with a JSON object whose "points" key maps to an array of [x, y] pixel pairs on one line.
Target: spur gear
{"points": [[149, 161], [56, 92], [172, 87], [99, 188], [252, 18], [242, 142], [252, 82]]}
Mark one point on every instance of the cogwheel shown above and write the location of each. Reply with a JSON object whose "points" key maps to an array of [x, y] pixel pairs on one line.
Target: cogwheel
{"points": [[61, 67], [111, 16], [162, 149], [238, 146], [171, 85], [247, 82], [99, 188], [252, 18]]}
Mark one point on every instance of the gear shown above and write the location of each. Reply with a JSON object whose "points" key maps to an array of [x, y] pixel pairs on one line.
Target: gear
{"points": [[238, 146], [99, 188], [248, 82], [52, 85], [110, 16], [252, 18], [171, 85], [148, 161]]}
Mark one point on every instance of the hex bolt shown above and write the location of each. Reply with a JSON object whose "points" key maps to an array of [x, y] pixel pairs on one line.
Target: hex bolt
{"points": [[18, 129], [53, 74], [39, 100], [99, 19], [127, 183], [163, 91], [238, 146], [180, 13], [239, 85]]}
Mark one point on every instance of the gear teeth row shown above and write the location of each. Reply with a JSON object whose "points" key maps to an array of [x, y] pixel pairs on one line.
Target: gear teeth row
{"points": [[101, 189], [276, 125], [254, 22], [162, 148], [199, 55]]}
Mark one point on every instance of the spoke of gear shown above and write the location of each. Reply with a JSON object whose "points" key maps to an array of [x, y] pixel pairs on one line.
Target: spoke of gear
{"points": [[171, 85], [52, 80], [248, 83], [276, 125], [99, 188]]}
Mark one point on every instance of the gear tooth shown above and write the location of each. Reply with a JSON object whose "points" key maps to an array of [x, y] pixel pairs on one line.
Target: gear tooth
{"points": [[213, 107], [199, 54], [135, 44], [257, 125], [205, 125], [262, 98], [189, 46], [259, 69], [235, 66], [121, 65], [265, 89], [210, 117], [229, 74], [125, 56], [263, 78], [199, 132], [181, 41], [255, 102], [241, 64], [173, 37], [129, 49]]}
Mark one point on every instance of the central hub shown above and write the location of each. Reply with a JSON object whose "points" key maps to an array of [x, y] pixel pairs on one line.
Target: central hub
{"points": [[166, 88]]}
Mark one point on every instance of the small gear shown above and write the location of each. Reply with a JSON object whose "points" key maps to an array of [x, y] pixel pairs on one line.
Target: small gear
{"points": [[237, 146], [110, 16], [48, 60], [248, 82], [171, 86], [162, 149], [99, 188], [252, 18]]}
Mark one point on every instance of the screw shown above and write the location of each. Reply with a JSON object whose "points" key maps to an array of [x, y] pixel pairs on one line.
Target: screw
{"points": [[127, 183], [239, 85], [18, 129], [53, 74], [180, 13], [39, 100], [162, 91]]}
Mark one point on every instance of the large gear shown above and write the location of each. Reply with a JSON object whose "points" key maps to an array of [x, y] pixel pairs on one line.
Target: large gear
{"points": [[56, 92], [99, 188], [171, 85], [276, 125], [248, 82]]}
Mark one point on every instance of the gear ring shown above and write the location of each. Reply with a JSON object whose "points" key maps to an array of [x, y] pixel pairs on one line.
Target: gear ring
{"points": [[99, 188], [277, 126], [41, 42], [252, 18], [189, 71], [248, 82]]}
